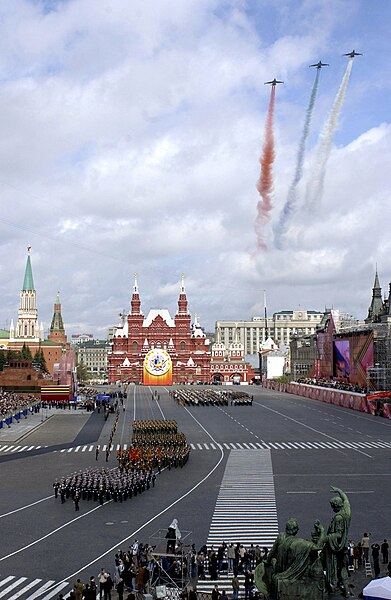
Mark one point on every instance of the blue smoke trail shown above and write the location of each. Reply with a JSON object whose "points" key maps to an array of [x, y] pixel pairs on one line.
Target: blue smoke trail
{"points": [[315, 187], [290, 204]]}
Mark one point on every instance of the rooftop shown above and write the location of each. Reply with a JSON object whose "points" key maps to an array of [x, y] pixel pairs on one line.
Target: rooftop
{"points": [[158, 312]]}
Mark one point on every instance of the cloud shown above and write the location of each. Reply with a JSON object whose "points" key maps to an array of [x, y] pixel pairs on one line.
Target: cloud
{"points": [[130, 142]]}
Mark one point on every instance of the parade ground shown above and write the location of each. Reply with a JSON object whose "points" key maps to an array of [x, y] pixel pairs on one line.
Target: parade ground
{"points": [[251, 468]]}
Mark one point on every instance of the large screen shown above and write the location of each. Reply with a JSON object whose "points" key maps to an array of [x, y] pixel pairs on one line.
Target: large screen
{"points": [[352, 357], [342, 359]]}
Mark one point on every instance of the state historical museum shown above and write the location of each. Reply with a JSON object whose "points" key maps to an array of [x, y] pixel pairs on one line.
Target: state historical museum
{"points": [[159, 349]]}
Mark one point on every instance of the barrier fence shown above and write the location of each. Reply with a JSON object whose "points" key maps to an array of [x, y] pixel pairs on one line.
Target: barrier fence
{"points": [[368, 403], [15, 416]]}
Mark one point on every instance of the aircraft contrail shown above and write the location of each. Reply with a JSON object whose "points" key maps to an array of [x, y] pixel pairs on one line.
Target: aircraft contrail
{"points": [[265, 182], [315, 187], [291, 201]]}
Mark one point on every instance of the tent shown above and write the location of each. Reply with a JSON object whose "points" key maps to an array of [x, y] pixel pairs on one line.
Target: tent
{"points": [[378, 589]]}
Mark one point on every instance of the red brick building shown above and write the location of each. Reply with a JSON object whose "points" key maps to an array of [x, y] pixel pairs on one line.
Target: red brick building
{"points": [[158, 349], [228, 364]]}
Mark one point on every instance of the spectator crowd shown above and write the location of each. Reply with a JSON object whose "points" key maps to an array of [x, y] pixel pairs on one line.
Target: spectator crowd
{"points": [[11, 403], [139, 568], [333, 383]]}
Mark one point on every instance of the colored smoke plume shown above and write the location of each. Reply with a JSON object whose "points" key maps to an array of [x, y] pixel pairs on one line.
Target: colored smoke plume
{"points": [[265, 182], [315, 187], [291, 201]]}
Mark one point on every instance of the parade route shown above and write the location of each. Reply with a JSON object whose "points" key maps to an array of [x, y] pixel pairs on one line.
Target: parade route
{"points": [[307, 447]]}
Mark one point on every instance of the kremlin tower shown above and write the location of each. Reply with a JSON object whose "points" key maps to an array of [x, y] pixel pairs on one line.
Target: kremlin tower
{"points": [[57, 331], [27, 329]]}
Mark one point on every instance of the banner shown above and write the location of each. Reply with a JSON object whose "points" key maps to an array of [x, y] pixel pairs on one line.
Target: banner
{"points": [[157, 368]]}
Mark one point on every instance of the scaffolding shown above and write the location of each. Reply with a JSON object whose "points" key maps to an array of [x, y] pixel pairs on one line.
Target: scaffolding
{"points": [[171, 572], [379, 376], [305, 353]]}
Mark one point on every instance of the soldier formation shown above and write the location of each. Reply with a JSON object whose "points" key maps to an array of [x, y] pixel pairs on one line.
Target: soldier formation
{"points": [[211, 398], [112, 433], [155, 445], [102, 485]]}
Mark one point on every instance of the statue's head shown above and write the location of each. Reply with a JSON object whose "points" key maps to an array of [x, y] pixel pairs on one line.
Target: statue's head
{"points": [[292, 527], [336, 503]]}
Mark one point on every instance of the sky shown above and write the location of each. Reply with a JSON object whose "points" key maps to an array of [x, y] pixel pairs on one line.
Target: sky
{"points": [[131, 133]]}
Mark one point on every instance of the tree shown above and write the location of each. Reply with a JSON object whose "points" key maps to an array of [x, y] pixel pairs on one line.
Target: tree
{"points": [[44, 368], [3, 360], [39, 361], [13, 355], [26, 352], [82, 372]]}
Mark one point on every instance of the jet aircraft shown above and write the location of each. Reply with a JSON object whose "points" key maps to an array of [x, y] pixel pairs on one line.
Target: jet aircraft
{"points": [[352, 54], [273, 82], [319, 65]]}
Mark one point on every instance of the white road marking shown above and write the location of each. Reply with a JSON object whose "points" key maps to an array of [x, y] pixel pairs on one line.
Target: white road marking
{"points": [[13, 585], [25, 589], [24, 507]]}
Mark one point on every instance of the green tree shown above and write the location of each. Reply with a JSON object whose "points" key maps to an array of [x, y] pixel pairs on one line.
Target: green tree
{"points": [[26, 352], [44, 368], [13, 355], [39, 361], [3, 360], [82, 372]]}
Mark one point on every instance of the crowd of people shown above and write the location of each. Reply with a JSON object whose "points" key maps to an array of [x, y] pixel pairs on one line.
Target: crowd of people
{"points": [[333, 383], [210, 397], [11, 403], [141, 567], [364, 552], [102, 485]]}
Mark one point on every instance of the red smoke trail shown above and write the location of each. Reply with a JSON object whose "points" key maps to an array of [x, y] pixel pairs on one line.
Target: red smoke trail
{"points": [[265, 182]]}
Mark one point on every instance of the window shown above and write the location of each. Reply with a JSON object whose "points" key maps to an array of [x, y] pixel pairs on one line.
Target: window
{"points": [[183, 346], [135, 346]]}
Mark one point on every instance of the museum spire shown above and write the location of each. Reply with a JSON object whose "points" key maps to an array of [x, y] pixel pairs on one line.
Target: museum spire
{"points": [[182, 301], [135, 302]]}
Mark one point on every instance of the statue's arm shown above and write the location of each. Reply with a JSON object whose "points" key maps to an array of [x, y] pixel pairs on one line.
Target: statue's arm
{"points": [[342, 495], [322, 537]]}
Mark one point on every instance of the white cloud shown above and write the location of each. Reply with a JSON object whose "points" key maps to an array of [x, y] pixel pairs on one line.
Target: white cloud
{"points": [[130, 142]]}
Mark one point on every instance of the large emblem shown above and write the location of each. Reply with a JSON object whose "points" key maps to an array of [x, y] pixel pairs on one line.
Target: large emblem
{"points": [[157, 362]]}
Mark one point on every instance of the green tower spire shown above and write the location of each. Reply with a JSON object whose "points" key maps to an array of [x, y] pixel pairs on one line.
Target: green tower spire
{"points": [[28, 283], [57, 322]]}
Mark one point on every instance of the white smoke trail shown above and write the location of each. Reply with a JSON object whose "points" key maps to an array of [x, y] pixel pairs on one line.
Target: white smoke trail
{"points": [[291, 201], [315, 187]]}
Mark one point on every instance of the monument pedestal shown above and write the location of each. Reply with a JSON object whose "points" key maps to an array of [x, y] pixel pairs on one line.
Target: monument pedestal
{"points": [[304, 589]]}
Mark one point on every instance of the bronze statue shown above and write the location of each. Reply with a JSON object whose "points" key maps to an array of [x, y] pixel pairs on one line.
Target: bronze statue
{"points": [[335, 551], [295, 567]]}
